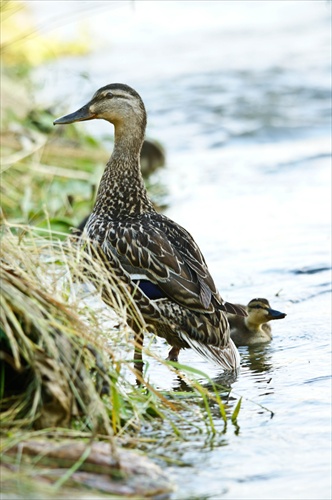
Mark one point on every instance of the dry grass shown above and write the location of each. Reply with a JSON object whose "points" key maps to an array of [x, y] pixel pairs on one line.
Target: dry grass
{"points": [[63, 380], [58, 367], [51, 345]]}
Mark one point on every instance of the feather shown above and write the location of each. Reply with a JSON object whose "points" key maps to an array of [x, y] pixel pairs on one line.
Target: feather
{"points": [[235, 309], [152, 291], [226, 357]]}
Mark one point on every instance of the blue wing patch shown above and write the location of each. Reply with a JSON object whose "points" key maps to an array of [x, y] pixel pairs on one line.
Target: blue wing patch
{"points": [[152, 291]]}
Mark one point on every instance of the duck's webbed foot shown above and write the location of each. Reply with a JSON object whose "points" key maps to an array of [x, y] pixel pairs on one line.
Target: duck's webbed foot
{"points": [[173, 354]]}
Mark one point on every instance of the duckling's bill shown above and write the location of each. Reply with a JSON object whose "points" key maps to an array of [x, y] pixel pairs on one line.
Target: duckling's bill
{"points": [[273, 314], [80, 115]]}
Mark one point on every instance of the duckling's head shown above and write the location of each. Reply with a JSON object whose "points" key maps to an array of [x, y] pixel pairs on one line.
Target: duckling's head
{"points": [[260, 312], [116, 103]]}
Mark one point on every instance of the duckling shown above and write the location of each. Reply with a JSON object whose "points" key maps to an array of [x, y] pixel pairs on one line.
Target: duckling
{"points": [[152, 157], [254, 328], [157, 258]]}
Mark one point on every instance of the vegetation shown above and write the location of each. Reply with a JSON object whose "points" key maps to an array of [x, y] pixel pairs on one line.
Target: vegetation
{"points": [[65, 378]]}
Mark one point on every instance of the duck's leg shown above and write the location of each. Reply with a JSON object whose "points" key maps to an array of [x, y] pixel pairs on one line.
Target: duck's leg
{"points": [[138, 357], [173, 354]]}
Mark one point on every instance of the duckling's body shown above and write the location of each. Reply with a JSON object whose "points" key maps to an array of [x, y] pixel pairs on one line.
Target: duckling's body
{"points": [[157, 258], [254, 328]]}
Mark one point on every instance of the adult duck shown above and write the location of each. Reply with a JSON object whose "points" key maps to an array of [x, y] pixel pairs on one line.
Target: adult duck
{"points": [[156, 257]]}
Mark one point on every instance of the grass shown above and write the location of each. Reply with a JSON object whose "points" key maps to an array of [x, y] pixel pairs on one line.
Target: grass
{"points": [[46, 333], [36, 182]]}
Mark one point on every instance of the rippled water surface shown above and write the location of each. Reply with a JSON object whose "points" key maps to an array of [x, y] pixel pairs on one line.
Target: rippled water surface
{"points": [[240, 97]]}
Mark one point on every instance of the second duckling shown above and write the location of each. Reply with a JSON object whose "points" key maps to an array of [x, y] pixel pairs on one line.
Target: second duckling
{"points": [[254, 328]]}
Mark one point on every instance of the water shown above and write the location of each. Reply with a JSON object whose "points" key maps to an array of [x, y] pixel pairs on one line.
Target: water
{"points": [[239, 93]]}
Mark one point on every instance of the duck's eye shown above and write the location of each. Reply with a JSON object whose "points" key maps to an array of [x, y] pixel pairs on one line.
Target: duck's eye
{"points": [[109, 95]]}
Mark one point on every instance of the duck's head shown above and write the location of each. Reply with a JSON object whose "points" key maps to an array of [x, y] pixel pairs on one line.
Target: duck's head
{"points": [[259, 312], [116, 103]]}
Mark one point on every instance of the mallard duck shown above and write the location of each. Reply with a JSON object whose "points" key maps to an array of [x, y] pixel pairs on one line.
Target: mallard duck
{"points": [[254, 328], [156, 257]]}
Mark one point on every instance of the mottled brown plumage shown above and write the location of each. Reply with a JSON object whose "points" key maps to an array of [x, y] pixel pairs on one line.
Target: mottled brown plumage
{"points": [[157, 258]]}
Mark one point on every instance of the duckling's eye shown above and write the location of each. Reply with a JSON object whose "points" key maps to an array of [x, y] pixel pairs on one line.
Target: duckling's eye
{"points": [[109, 95]]}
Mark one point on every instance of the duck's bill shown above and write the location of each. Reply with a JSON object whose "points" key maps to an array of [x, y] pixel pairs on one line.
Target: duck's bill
{"points": [[273, 314], [78, 116]]}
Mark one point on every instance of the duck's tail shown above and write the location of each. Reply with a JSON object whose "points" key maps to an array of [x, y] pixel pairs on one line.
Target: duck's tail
{"points": [[227, 357]]}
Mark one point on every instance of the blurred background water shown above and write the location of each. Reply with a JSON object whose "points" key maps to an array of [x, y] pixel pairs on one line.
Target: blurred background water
{"points": [[239, 95]]}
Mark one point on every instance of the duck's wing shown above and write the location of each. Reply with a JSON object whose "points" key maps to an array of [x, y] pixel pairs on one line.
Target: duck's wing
{"points": [[191, 265], [155, 248], [194, 258]]}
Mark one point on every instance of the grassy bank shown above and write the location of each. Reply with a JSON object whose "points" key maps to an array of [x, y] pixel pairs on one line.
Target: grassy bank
{"points": [[67, 377]]}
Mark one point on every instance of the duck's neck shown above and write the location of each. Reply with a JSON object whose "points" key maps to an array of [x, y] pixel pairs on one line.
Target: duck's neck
{"points": [[253, 326], [122, 191]]}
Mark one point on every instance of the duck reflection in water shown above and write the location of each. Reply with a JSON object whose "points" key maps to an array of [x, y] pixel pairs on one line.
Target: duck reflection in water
{"points": [[222, 382], [257, 358]]}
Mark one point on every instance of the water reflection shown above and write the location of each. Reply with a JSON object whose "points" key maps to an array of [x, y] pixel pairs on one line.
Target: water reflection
{"points": [[258, 358], [222, 383]]}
